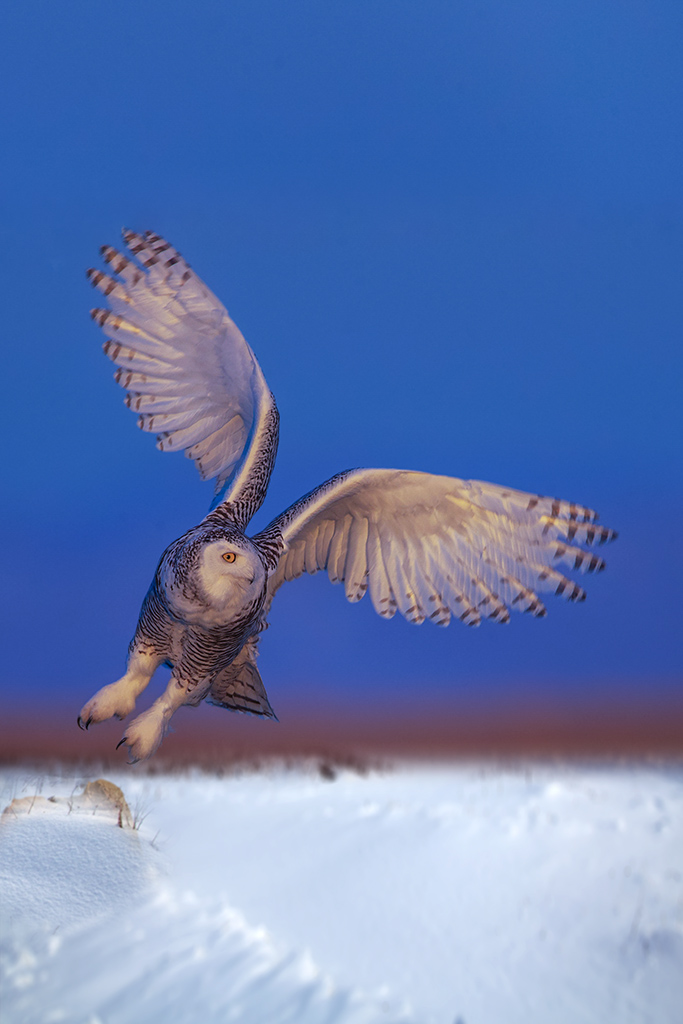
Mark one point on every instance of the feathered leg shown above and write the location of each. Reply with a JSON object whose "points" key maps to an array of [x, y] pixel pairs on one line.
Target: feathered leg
{"points": [[145, 733], [117, 700]]}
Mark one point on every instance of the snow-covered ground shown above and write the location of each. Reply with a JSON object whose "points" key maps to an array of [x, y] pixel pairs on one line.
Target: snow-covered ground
{"points": [[469, 894]]}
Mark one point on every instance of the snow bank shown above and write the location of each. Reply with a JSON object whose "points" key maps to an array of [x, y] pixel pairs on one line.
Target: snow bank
{"points": [[435, 894]]}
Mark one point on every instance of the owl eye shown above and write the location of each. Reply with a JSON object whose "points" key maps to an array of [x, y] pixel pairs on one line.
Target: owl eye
{"points": [[229, 556]]}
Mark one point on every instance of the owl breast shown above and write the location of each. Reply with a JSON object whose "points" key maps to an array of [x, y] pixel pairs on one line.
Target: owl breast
{"points": [[207, 607]]}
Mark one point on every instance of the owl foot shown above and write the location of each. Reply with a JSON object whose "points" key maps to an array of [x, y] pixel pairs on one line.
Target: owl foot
{"points": [[114, 701], [144, 734]]}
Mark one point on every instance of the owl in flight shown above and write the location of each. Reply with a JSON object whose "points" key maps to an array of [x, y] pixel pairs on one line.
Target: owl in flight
{"points": [[430, 547]]}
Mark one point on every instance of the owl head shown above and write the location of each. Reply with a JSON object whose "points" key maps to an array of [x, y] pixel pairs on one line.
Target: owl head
{"points": [[211, 576], [229, 567]]}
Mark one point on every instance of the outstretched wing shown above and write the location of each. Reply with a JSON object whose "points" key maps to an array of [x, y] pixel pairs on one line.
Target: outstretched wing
{"points": [[187, 370], [433, 546]]}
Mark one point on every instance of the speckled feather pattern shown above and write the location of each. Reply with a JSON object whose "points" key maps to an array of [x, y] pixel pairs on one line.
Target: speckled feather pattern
{"points": [[195, 653]]}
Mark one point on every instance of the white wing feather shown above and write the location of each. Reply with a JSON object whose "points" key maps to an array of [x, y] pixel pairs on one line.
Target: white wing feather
{"points": [[434, 546], [187, 370]]}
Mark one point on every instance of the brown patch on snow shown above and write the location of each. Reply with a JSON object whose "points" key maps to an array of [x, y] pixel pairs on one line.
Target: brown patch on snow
{"points": [[100, 797]]}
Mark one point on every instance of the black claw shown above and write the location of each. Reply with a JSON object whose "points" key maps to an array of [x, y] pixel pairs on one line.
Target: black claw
{"points": [[120, 743], [79, 723]]}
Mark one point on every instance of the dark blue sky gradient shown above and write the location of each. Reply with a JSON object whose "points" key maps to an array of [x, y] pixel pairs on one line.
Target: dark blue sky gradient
{"points": [[452, 234]]}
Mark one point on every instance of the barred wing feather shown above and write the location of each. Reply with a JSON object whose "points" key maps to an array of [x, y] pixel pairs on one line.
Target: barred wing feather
{"points": [[432, 547], [187, 370]]}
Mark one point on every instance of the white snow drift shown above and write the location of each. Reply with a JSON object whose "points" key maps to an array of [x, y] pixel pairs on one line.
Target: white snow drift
{"points": [[434, 894]]}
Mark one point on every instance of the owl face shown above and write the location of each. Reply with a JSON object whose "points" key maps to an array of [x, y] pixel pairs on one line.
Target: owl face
{"points": [[230, 573]]}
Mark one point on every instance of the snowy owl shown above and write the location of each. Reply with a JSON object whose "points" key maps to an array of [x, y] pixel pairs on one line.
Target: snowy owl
{"points": [[427, 546]]}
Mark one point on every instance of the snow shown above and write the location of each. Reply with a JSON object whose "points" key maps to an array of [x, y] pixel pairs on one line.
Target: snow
{"points": [[438, 893]]}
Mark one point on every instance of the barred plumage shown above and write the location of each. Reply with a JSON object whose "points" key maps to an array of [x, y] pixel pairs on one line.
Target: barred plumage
{"points": [[429, 547]]}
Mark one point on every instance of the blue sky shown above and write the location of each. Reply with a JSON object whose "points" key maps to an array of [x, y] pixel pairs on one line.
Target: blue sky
{"points": [[452, 234]]}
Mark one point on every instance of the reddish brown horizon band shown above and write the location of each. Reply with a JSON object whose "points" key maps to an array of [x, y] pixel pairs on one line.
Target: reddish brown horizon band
{"points": [[210, 738]]}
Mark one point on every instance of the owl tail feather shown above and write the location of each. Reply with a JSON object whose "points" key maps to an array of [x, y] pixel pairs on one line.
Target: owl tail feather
{"points": [[239, 687]]}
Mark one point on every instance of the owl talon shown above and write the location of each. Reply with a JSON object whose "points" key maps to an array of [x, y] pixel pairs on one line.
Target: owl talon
{"points": [[114, 701], [144, 734]]}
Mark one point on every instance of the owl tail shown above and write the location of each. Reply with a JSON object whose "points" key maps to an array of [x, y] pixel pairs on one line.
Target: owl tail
{"points": [[239, 687]]}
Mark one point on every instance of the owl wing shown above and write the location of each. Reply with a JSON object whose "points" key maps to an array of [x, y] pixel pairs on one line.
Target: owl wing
{"points": [[187, 370], [433, 546]]}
